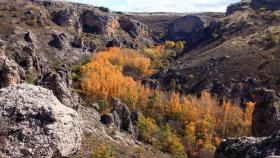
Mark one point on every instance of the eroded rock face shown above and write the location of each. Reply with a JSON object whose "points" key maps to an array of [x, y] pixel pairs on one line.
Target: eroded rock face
{"points": [[59, 41], [9, 71], [268, 4], [38, 125], [183, 27], [132, 27], [60, 83], [120, 116], [93, 22], [249, 147], [241, 6], [266, 115], [194, 30]]}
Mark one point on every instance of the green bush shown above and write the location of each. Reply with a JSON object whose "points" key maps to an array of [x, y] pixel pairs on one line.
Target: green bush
{"points": [[179, 45], [148, 130], [102, 151], [29, 77], [171, 143], [169, 44]]}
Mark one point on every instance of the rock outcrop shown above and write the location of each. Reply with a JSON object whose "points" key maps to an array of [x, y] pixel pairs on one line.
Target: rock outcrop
{"points": [[265, 128], [192, 29], [241, 6], [249, 147], [37, 124], [268, 4], [97, 23], [60, 83], [266, 115], [181, 28], [120, 116], [59, 41], [10, 71]]}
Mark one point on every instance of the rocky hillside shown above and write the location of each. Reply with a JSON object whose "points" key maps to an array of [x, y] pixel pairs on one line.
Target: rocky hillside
{"points": [[83, 81], [43, 43], [229, 55]]}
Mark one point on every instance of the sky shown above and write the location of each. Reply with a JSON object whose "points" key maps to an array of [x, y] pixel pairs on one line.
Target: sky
{"points": [[181, 6]]}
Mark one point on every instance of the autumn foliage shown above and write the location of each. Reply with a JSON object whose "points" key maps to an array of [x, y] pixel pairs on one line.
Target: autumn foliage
{"points": [[169, 119]]}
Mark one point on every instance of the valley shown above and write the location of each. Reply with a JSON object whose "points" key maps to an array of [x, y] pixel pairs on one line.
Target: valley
{"points": [[83, 81]]}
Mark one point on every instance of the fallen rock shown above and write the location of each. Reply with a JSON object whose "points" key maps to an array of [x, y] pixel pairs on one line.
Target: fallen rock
{"points": [[249, 147], [38, 125], [266, 115]]}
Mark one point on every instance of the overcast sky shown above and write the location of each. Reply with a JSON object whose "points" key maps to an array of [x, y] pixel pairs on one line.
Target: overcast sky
{"points": [[162, 5]]}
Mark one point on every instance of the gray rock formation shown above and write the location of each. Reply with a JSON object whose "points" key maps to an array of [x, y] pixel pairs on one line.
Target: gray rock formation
{"points": [[249, 147], [241, 6], [120, 116], [60, 83], [96, 22], [59, 41], [179, 29], [192, 29], [37, 124], [10, 71], [266, 115], [78, 42], [265, 128]]}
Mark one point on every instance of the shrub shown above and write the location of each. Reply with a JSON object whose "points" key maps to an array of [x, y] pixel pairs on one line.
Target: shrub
{"points": [[148, 130], [102, 151], [271, 41], [179, 45], [171, 143], [169, 44], [29, 77]]}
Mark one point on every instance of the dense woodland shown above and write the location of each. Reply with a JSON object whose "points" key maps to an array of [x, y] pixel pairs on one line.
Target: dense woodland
{"points": [[174, 123]]}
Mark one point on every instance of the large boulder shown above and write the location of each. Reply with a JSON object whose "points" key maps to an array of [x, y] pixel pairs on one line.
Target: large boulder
{"points": [[268, 4], [249, 147], [266, 115], [37, 124]]}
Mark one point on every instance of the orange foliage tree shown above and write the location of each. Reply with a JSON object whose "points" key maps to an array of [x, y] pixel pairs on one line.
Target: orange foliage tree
{"points": [[203, 122]]}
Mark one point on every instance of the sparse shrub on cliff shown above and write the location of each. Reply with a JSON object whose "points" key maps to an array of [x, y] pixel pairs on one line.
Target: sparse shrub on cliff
{"points": [[169, 44]]}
